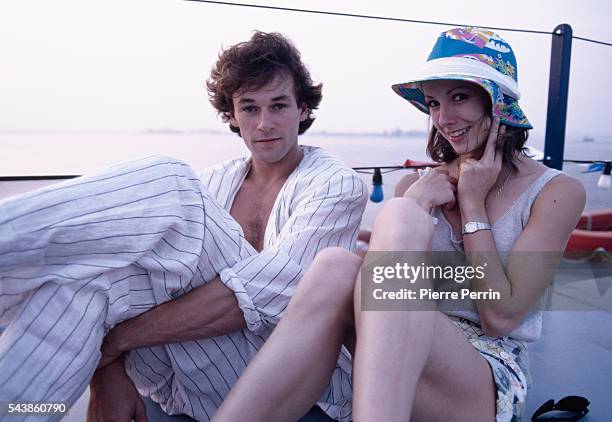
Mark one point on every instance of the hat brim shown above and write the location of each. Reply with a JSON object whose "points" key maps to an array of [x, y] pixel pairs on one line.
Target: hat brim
{"points": [[504, 106]]}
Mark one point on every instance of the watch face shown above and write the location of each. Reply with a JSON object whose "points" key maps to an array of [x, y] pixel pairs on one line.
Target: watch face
{"points": [[474, 226]]}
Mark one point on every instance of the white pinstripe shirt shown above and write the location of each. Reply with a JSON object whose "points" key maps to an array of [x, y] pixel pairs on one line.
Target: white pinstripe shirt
{"points": [[320, 205], [78, 257]]}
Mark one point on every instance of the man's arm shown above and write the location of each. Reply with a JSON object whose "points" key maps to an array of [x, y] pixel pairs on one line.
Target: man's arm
{"points": [[254, 291], [206, 311]]}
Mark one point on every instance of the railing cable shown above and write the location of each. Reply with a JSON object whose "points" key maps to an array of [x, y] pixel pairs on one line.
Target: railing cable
{"points": [[386, 18]]}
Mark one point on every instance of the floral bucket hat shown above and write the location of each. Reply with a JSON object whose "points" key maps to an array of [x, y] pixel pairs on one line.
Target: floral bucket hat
{"points": [[478, 56]]}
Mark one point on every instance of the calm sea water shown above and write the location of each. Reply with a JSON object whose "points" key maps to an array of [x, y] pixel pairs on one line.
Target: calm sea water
{"points": [[56, 153]]}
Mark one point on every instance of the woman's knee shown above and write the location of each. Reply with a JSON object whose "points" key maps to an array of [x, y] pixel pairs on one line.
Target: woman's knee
{"points": [[333, 269], [401, 221], [330, 278]]}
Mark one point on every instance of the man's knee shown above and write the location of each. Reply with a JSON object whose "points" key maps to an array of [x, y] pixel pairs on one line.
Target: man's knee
{"points": [[166, 167], [162, 160]]}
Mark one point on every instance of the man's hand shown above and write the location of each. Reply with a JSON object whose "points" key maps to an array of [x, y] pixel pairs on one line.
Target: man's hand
{"points": [[113, 397], [110, 349]]}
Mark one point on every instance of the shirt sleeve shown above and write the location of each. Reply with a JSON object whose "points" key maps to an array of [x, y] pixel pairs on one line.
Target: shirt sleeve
{"points": [[328, 215]]}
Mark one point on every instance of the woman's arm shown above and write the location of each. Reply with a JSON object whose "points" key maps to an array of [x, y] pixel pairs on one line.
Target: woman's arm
{"points": [[533, 260]]}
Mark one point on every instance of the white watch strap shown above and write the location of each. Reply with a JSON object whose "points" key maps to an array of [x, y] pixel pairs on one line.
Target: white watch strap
{"points": [[474, 226]]}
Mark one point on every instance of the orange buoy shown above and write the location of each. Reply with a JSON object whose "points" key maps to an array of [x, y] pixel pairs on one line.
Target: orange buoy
{"points": [[593, 232]]}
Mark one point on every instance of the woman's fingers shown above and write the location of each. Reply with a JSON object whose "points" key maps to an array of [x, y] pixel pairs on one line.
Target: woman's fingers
{"points": [[499, 147], [440, 169], [446, 193], [453, 201], [439, 187], [491, 146]]}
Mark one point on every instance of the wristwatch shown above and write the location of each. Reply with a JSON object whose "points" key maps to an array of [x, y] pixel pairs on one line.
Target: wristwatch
{"points": [[474, 226]]}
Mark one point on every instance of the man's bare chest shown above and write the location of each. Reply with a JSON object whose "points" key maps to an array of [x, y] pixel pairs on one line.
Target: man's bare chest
{"points": [[252, 208]]}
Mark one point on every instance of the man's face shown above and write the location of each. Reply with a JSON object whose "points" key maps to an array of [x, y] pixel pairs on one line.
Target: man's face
{"points": [[269, 119]]}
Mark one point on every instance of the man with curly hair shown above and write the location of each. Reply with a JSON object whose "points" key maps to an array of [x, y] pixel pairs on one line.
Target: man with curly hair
{"points": [[166, 283]]}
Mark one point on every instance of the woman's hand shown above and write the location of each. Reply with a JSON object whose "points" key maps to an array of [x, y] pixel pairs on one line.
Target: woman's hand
{"points": [[477, 177], [433, 189]]}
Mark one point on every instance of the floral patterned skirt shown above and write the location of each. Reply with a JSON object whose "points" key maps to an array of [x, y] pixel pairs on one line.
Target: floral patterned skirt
{"points": [[509, 364]]}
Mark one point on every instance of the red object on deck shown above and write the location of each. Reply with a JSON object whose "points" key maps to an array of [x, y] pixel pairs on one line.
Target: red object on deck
{"points": [[411, 163], [593, 231]]}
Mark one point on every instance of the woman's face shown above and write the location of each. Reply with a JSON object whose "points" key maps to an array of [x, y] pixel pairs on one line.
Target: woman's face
{"points": [[458, 110]]}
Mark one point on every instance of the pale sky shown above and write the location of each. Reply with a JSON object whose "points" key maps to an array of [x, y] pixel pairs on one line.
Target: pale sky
{"points": [[130, 65]]}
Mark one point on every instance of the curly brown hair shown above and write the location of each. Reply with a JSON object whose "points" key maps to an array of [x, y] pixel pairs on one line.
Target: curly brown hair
{"points": [[248, 66]]}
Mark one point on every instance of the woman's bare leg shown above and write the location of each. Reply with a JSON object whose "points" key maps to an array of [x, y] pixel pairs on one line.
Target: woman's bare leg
{"points": [[291, 370], [414, 362], [419, 365]]}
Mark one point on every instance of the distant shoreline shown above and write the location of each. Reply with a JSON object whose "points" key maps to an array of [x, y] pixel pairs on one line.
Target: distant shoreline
{"points": [[395, 133], [575, 138]]}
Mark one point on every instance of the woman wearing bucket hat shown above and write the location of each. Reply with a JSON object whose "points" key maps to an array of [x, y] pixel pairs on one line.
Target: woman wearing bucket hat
{"points": [[465, 360]]}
